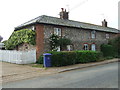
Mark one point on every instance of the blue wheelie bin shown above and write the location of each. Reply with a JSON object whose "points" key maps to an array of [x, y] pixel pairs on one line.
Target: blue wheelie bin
{"points": [[47, 60]]}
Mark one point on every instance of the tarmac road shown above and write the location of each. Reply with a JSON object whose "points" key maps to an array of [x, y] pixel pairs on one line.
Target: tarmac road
{"points": [[102, 76]]}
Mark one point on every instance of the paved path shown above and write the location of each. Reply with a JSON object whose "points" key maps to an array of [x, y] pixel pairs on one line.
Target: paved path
{"points": [[102, 76], [14, 72]]}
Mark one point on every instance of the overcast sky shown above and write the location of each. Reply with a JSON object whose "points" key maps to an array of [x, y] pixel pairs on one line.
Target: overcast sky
{"points": [[16, 12]]}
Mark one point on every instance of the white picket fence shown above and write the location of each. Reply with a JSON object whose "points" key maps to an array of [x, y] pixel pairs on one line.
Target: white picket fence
{"points": [[18, 57]]}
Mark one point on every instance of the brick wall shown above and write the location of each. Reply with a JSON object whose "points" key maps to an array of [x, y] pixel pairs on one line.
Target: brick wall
{"points": [[39, 39]]}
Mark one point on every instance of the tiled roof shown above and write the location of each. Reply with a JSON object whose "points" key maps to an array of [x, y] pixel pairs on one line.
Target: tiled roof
{"points": [[69, 23]]}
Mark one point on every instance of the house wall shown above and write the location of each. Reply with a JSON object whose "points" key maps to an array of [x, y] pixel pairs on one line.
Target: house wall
{"points": [[25, 47], [78, 37]]}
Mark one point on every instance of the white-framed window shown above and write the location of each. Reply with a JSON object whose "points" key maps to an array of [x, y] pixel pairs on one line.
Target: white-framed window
{"points": [[33, 27], [86, 47], [107, 36], [58, 48], [93, 34], [69, 47], [57, 31], [93, 47]]}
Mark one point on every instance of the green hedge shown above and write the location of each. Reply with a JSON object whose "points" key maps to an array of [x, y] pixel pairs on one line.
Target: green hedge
{"points": [[108, 50], [73, 57], [88, 56]]}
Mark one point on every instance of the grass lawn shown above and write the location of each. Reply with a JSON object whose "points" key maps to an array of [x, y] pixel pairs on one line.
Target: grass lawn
{"points": [[38, 65]]}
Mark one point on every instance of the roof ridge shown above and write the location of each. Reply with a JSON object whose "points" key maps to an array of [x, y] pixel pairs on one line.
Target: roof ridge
{"points": [[79, 22]]}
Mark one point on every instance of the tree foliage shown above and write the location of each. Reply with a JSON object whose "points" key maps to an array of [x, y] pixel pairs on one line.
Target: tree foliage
{"points": [[19, 37], [116, 45], [56, 41]]}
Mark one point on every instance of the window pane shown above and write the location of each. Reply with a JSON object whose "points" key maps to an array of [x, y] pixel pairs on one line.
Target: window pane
{"points": [[58, 48], [107, 35], [85, 46], [68, 47], [93, 34], [57, 31], [93, 47]]}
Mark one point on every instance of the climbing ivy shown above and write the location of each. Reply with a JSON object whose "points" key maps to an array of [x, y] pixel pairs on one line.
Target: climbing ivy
{"points": [[19, 37]]}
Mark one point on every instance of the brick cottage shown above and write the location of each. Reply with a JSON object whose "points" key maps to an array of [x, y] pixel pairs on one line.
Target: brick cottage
{"points": [[84, 36]]}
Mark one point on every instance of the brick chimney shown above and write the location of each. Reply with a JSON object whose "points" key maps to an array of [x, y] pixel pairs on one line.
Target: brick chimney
{"points": [[64, 14], [104, 23]]}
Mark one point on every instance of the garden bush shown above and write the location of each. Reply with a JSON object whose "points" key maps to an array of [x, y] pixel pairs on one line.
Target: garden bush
{"points": [[65, 58], [116, 46], [108, 50], [88, 56], [40, 60]]}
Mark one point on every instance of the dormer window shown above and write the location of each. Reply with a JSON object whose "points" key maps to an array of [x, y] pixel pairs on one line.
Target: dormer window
{"points": [[57, 31], [93, 34]]}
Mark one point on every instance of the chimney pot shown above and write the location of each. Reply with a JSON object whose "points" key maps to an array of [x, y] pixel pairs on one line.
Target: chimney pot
{"points": [[104, 23], [62, 9], [64, 14]]}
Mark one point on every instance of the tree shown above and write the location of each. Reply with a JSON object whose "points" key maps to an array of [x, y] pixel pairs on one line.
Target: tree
{"points": [[116, 45]]}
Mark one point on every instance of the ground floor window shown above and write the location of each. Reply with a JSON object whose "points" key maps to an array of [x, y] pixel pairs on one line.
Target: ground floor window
{"points": [[69, 47], [93, 47], [86, 47], [58, 48]]}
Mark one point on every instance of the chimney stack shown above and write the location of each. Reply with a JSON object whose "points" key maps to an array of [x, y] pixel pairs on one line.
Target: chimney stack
{"points": [[64, 14], [104, 23]]}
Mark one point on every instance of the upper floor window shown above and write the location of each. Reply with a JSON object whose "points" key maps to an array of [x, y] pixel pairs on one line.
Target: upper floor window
{"points": [[93, 34], [107, 36], [57, 31], [86, 47]]}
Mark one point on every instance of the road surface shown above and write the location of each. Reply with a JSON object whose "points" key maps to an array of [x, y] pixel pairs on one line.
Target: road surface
{"points": [[103, 76]]}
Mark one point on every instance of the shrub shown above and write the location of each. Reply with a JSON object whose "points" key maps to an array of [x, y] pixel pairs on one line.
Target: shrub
{"points": [[116, 46], [56, 41], [63, 58], [73, 57], [88, 56], [40, 60], [107, 50]]}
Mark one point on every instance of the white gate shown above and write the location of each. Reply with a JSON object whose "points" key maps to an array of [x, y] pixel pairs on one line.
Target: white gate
{"points": [[18, 57]]}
